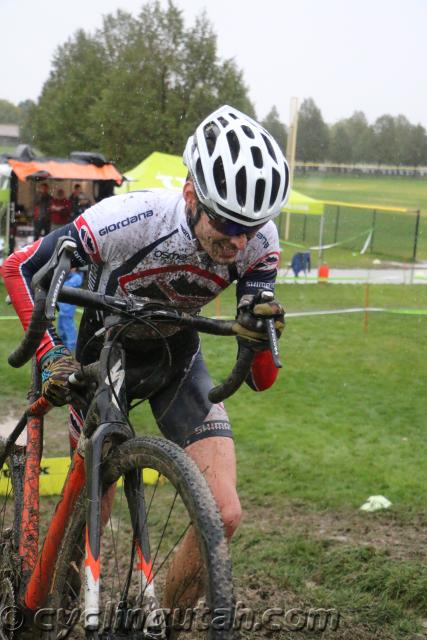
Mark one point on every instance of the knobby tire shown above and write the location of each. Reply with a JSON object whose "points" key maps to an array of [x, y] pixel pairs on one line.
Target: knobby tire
{"points": [[185, 477]]}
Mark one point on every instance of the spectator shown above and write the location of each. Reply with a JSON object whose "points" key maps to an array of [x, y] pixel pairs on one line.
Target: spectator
{"points": [[79, 201], [60, 210], [66, 327], [41, 211]]}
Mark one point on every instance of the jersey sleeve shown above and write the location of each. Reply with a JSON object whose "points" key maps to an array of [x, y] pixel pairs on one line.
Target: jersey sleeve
{"points": [[114, 228], [104, 233], [19, 268], [258, 273], [258, 269]]}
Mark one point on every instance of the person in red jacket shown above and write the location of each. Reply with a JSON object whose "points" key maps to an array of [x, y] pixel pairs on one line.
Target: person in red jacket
{"points": [[60, 210]]}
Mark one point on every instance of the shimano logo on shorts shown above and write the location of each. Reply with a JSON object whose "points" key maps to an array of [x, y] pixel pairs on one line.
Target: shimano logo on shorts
{"points": [[114, 226]]}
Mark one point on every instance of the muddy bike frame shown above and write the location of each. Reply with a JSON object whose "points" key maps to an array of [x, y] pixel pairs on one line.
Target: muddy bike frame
{"points": [[105, 420]]}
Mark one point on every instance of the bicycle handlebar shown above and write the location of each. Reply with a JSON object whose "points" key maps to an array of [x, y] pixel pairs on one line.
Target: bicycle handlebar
{"points": [[44, 301], [36, 329], [236, 378]]}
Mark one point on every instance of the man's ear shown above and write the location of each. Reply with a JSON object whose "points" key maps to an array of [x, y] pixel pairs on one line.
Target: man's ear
{"points": [[189, 194]]}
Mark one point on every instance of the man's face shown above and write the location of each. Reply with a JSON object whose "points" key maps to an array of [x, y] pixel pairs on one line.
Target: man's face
{"points": [[221, 248]]}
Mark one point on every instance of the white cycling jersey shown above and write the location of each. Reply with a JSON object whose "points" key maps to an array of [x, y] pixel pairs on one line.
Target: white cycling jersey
{"points": [[140, 244], [143, 246]]}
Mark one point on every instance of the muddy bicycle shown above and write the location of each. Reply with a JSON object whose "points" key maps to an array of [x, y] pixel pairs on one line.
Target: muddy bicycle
{"points": [[127, 501]]}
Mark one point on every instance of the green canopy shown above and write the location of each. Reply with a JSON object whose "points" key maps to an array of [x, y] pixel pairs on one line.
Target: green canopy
{"points": [[166, 171], [299, 203], [160, 170]]}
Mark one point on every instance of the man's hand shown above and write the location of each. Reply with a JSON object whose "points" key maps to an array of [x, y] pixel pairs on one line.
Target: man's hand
{"points": [[56, 366], [252, 311]]}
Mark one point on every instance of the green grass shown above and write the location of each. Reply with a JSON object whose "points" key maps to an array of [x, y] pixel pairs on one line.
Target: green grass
{"points": [[388, 191], [7, 148], [394, 232], [345, 420]]}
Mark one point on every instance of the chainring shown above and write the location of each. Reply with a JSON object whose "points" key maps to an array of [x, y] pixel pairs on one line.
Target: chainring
{"points": [[8, 618]]}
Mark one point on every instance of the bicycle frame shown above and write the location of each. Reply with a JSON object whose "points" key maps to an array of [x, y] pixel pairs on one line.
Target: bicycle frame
{"points": [[104, 421]]}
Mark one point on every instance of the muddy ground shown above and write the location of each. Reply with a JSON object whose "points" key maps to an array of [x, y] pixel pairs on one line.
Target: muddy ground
{"points": [[401, 540]]}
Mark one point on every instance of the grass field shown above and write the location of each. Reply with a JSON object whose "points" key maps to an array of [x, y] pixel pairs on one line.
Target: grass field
{"points": [[393, 191], [345, 420], [394, 232]]}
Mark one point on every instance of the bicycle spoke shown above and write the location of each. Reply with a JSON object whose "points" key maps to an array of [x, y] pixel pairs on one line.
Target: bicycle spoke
{"points": [[114, 543], [113, 540], [8, 494], [172, 549], [135, 586]]}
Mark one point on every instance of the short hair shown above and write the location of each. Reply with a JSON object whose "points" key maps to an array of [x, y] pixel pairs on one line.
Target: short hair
{"points": [[77, 185]]}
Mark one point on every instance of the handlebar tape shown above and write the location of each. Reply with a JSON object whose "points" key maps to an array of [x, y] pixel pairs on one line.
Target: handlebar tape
{"points": [[236, 378], [36, 329]]}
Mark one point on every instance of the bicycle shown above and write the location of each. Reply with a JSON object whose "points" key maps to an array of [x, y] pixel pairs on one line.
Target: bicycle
{"points": [[104, 495]]}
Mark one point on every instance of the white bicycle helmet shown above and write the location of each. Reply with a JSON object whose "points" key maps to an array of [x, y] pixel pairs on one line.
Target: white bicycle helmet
{"points": [[238, 169]]}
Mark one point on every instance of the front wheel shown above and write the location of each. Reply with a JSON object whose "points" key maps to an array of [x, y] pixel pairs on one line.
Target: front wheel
{"points": [[135, 585]]}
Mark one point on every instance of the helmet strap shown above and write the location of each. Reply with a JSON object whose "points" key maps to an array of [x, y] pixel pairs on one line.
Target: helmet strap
{"points": [[193, 218]]}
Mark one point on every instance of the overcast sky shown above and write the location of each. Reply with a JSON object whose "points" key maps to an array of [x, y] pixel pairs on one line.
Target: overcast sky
{"points": [[368, 55]]}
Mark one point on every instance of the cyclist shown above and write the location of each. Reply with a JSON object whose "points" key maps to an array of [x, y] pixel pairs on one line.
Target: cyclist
{"points": [[184, 249]]}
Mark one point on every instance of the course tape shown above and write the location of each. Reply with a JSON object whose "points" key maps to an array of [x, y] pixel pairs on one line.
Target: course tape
{"points": [[53, 472], [371, 207], [291, 278], [367, 232], [333, 312], [406, 312], [419, 312]]}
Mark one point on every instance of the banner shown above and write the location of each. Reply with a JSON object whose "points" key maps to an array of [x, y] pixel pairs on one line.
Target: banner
{"points": [[53, 472]]}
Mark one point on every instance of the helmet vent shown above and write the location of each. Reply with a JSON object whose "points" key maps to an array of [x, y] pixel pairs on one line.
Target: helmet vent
{"points": [[259, 194], [286, 181], [232, 115], [211, 132], [234, 144], [248, 131], [269, 147], [257, 157], [200, 176], [223, 121], [219, 177], [275, 184], [241, 185]]}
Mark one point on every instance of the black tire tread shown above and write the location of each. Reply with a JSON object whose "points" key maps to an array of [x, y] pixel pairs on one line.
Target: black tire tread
{"points": [[181, 470]]}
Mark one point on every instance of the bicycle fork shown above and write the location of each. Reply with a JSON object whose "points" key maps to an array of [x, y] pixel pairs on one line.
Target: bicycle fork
{"points": [[109, 400]]}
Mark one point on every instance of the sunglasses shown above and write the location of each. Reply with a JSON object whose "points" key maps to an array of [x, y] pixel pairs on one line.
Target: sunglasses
{"points": [[228, 227]]}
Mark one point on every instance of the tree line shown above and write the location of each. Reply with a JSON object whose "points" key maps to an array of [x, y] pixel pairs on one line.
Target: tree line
{"points": [[142, 84], [389, 140]]}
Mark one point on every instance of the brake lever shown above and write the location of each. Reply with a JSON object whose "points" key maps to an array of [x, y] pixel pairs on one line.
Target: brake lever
{"points": [[61, 271], [273, 342], [267, 296]]}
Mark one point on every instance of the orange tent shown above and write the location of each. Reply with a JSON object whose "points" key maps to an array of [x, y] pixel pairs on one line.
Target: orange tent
{"points": [[64, 170]]}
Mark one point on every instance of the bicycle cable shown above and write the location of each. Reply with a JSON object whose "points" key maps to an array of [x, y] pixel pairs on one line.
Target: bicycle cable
{"points": [[165, 348]]}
